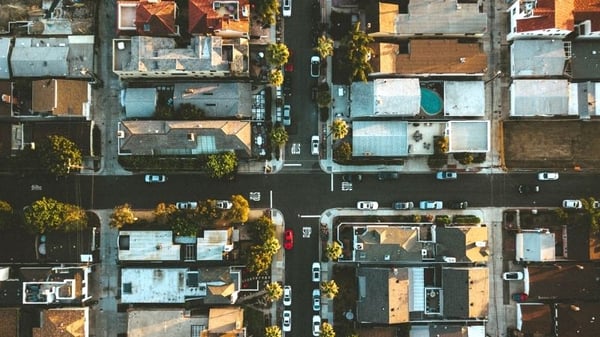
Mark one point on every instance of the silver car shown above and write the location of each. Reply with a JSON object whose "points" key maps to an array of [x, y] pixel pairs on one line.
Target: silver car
{"points": [[429, 204], [316, 299], [287, 295], [548, 176], [287, 320]]}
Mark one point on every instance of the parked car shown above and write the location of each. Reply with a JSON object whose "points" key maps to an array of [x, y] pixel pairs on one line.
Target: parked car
{"points": [[368, 205], [287, 119], [403, 205], [458, 204], [596, 204], [287, 320], [316, 299], [314, 145], [430, 204], [349, 178], [224, 204], [287, 295], [288, 239], [512, 276], [572, 203], [528, 189], [381, 176], [289, 66], [186, 205], [446, 175], [316, 272], [315, 66], [316, 325], [155, 178], [548, 176], [286, 8]]}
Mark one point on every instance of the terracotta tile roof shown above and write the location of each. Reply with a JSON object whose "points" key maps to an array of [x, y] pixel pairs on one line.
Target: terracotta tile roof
{"points": [[549, 14], [588, 10], [10, 322], [63, 323], [205, 19], [156, 18]]}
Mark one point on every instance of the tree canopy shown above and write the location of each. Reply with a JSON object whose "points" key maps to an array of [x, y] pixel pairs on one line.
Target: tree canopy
{"points": [[221, 165], [324, 46], [339, 128], [279, 136], [240, 210], [122, 215], [358, 53], [277, 54], [59, 155], [7, 217], [276, 77], [47, 214]]}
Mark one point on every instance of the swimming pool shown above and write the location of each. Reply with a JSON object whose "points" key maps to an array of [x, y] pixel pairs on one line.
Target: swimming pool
{"points": [[431, 102]]}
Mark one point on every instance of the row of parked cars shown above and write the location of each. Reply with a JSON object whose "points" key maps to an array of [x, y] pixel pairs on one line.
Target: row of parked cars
{"points": [[406, 205], [316, 303]]}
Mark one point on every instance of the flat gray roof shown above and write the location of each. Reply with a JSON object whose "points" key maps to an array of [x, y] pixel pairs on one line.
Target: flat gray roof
{"points": [[464, 98], [442, 17], [379, 138], [469, 136], [4, 50], [217, 99], [386, 98], [148, 246], [539, 98], [585, 59], [539, 58], [151, 322], [140, 102], [158, 285]]}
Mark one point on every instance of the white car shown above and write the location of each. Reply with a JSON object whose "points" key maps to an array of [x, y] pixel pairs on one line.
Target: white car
{"points": [[512, 276], [316, 325], [429, 204], [186, 205], [316, 272], [287, 320], [314, 145], [315, 66], [446, 175], [155, 178], [316, 299], [368, 205], [224, 204], [287, 119], [548, 176], [287, 295], [286, 8], [572, 204]]}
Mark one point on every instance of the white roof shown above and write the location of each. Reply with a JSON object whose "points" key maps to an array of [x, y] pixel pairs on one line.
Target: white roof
{"points": [[4, 48], [212, 245], [583, 97], [539, 98], [535, 246], [464, 98], [140, 102], [157, 285], [379, 138], [149, 246], [540, 58], [151, 322], [441, 17], [386, 98], [469, 136]]}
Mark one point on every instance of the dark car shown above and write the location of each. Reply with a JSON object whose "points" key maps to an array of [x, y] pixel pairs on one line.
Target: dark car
{"points": [[388, 176], [527, 189], [459, 204], [352, 178]]}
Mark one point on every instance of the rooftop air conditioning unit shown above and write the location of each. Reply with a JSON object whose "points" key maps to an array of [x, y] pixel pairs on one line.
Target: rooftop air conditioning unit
{"points": [[358, 246], [121, 134], [480, 244], [423, 252], [449, 259]]}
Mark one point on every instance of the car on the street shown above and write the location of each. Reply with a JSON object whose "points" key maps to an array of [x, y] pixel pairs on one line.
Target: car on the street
{"points": [[316, 325], [314, 145], [381, 176], [543, 176], [316, 272], [287, 320], [315, 66], [286, 8], [596, 204], [403, 205], [289, 66], [288, 239], [224, 204], [287, 118], [512, 276], [431, 204], [316, 299], [349, 178], [528, 189], [368, 205], [459, 204], [287, 295], [186, 205], [572, 203], [155, 178], [446, 175]]}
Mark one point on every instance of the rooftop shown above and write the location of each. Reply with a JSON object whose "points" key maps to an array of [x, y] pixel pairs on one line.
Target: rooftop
{"points": [[61, 285], [585, 60], [385, 98], [468, 136], [156, 18], [386, 244], [61, 97], [148, 246], [464, 98], [539, 97], [389, 304], [216, 100], [151, 322], [537, 58], [548, 281], [216, 16], [64, 322], [466, 244], [379, 138], [466, 292]]}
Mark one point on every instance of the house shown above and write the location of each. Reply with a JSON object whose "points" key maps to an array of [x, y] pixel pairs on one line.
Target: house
{"points": [[212, 285], [150, 322], [466, 292], [439, 329], [139, 102], [426, 17], [464, 98], [206, 57], [585, 60], [184, 137], [537, 58], [463, 243], [386, 244], [564, 282], [218, 17], [390, 303], [429, 57], [216, 100], [226, 321], [56, 286], [27, 132], [69, 322], [575, 318], [61, 98], [10, 321], [5, 44], [152, 18], [76, 246], [553, 19], [468, 136], [48, 57], [391, 97], [380, 139], [547, 97], [535, 246]]}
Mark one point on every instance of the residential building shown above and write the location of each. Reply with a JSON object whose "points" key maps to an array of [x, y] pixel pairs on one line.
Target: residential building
{"points": [[466, 292], [537, 58], [153, 18], [28, 132], [61, 98], [59, 321], [543, 97], [575, 318], [535, 246], [5, 44], [392, 97], [57, 286], [218, 17], [566, 281], [463, 243]]}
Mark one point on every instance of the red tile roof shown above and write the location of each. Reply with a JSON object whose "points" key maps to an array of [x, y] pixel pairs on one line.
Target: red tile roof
{"points": [[160, 18], [561, 14], [204, 19], [588, 10]]}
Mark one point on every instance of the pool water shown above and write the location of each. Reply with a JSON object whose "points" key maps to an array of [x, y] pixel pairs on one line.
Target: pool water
{"points": [[431, 102]]}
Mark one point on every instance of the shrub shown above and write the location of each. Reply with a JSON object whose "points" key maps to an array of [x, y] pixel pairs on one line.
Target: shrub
{"points": [[466, 219]]}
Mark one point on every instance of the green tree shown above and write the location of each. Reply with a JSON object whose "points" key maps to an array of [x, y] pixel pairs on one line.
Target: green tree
{"points": [[48, 214], [329, 289], [267, 10], [271, 246], [207, 212], [327, 330], [324, 46], [343, 152], [276, 77], [163, 211], [272, 331], [279, 136], [324, 98], [188, 111], [277, 54], [274, 291], [358, 53], [59, 155], [122, 215], [262, 229], [339, 128], [164, 112], [221, 165], [7, 217], [183, 226], [240, 210], [259, 261], [334, 251]]}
